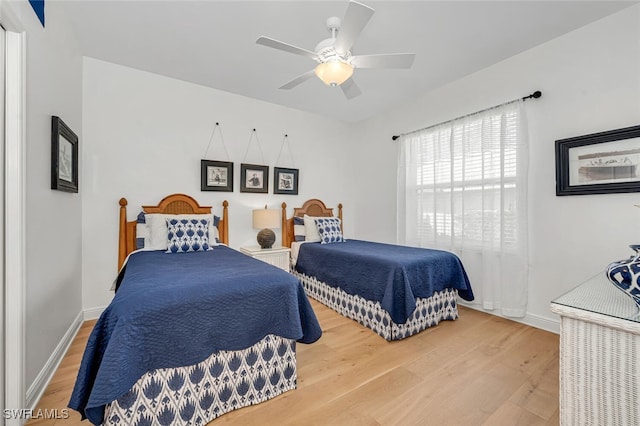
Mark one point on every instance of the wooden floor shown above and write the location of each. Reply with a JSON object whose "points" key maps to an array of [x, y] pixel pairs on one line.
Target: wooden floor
{"points": [[478, 370]]}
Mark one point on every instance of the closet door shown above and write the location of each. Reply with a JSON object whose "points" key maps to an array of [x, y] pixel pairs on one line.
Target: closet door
{"points": [[2, 214]]}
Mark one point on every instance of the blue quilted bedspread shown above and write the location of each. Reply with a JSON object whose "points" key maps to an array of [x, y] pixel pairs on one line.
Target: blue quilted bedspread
{"points": [[390, 274], [174, 310]]}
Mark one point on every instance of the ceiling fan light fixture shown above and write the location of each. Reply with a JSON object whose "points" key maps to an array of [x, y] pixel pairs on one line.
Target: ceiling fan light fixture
{"points": [[334, 72]]}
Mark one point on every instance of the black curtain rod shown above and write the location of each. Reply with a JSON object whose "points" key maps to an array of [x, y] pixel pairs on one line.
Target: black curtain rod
{"points": [[534, 95]]}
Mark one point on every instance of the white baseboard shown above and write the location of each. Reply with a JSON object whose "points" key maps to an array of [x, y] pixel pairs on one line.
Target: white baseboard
{"points": [[39, 385], [541, 322], [37, 388], [93, 313], [533, 320]]}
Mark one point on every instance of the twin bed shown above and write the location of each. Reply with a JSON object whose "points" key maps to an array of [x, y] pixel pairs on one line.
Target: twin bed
{"points": [[396, 291], [197, 329], [190, 335]]}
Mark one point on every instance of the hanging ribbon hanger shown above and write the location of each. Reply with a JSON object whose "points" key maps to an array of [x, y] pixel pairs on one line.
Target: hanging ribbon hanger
{"points": [[285, 141], [253, 134], [217, 126]]}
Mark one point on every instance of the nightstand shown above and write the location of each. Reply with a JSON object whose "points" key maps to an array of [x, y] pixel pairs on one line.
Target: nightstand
{"points": [[276, 256]]}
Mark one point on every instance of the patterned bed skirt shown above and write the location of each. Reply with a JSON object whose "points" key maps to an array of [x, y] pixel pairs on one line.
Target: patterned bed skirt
{"points": [[197, 394], [429, 311]]}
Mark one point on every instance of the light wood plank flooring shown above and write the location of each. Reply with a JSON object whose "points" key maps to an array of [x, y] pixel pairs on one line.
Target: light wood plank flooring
{"points": [[478, 370]]}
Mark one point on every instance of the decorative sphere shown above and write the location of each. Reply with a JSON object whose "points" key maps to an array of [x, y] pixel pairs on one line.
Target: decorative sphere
{"points": [[266, 238]]}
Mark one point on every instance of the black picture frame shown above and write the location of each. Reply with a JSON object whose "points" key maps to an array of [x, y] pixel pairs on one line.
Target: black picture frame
{"points": [[254, 178], [64, 157], [285, 181], [216, 176], [599, 163]]}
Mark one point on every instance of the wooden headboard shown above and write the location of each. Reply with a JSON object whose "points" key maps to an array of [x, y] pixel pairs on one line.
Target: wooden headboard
{"points": [[171, 204], [313, 207]]}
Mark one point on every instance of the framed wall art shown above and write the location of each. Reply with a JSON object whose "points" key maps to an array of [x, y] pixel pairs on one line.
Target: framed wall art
{"points": [[216, 176], [64, 157], [254, 178], [285, 181], [599, 163]]}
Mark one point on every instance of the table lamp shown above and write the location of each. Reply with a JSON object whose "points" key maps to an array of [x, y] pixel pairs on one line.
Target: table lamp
{"points": [[265, 219]]}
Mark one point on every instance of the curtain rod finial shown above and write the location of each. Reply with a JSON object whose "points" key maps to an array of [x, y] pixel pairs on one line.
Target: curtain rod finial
{"points": [[394, 137], [534, 95]]}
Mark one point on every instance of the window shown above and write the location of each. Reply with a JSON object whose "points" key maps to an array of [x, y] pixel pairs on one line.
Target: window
{"points": [[462, 187]]}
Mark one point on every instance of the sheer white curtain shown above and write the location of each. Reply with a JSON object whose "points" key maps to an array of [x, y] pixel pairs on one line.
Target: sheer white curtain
{"points": [[462, 187]]}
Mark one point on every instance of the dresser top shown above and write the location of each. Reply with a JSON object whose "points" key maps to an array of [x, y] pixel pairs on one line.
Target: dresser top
{"points": [[599, 296]]}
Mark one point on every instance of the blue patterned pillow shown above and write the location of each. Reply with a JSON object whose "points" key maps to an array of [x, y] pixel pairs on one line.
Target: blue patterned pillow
{"points": [[329, 230], [298, 229], [186, 235]]}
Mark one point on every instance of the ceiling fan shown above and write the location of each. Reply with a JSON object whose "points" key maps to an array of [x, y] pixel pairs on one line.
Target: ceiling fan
{"points": [[333, 55]]}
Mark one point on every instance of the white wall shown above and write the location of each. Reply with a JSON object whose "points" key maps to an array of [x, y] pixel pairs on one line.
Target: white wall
{"points": [[53, 218], [137, 123], [590, 80], [144, 136]]}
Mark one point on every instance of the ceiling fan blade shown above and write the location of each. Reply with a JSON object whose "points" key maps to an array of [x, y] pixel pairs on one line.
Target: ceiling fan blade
{"points": [[355, 19], [350, 89], [393, 60], [270, 42], [300, 79]]}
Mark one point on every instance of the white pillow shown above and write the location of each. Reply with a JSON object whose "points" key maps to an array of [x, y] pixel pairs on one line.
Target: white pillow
{"points": [[310, 229], [298, 228], [142, 232], [214, 235], [158, 230]]}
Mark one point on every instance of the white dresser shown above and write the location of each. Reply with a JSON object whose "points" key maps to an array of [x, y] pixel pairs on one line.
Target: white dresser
{"points": [[276, 256], [599, 355]]}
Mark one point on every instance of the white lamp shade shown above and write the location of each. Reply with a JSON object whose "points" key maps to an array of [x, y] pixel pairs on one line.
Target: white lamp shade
{"points": [[266, 218], [334, 73]]}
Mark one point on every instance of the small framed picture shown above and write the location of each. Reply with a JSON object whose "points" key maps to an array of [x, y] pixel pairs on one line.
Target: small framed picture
{"points": [[254, 178], [216, 176], [599, 163], [285, 181], [64, 157]]}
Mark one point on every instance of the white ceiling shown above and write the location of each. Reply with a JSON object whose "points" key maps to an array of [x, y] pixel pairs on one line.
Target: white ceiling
{"points": [[212, 43]]}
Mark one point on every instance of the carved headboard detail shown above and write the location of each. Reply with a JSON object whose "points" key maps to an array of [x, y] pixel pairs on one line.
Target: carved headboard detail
{"points": [[312, 207], [171, 204]]}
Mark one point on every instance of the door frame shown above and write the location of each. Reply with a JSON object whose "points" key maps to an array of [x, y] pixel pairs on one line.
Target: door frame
{"points": [[14, 214]]}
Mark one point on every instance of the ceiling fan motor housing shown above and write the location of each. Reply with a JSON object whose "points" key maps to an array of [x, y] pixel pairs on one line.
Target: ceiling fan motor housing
{"points": [[335, 63], [326, 52]]}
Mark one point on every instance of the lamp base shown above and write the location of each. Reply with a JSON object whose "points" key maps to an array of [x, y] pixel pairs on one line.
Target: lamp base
{"points": [[266, 238]]}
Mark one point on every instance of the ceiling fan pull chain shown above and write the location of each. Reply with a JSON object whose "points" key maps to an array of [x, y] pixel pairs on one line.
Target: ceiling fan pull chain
{"points": [[285, 141], [244, 160], [211, 139]]}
